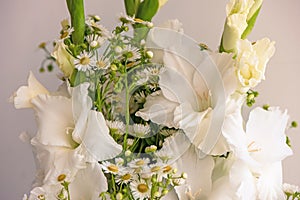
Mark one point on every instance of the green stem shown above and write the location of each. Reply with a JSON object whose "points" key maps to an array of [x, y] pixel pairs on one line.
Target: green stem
{"points": [[127, 114], [76, 10]]}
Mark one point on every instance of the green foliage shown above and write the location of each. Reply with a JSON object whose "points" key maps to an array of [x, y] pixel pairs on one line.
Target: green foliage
{"points": [[147, 9], [250, 23]]}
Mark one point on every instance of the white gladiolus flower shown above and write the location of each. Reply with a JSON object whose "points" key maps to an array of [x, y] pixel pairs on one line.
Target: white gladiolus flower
{"points": [[66, 140], [258, 152], [251, 61], [185, 101]]}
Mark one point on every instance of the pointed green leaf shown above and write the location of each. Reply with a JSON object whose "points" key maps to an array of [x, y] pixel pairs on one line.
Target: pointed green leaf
{"points": [[250, 23], [147, 9], [131, 7]]}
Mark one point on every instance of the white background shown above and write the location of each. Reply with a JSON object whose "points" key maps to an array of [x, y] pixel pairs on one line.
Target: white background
{"points": [[26, 23]]}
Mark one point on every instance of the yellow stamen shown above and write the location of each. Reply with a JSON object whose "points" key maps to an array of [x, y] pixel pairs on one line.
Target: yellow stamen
{"points": [[84, 60], [126, 177], [61, 177], [140, 162], [167, 168], [142, 188], [155, 169], [113, 168]]}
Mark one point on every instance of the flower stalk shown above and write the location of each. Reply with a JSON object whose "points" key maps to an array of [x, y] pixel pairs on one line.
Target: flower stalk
{"points": [[76, 10]]}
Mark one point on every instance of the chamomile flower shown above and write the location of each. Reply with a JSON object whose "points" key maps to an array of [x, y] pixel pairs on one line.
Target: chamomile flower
{"points": [[102, 63], [125, 177], [116, 126], [153, 70], [66, 33], [139, 163], [290, 189], [140, 130], [84, 61], [95, 40], [109, 167], [131, 53], [140, 97], [140, 189]]}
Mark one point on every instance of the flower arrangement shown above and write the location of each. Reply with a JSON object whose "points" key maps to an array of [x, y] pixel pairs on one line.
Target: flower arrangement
{"points": [[145, 112]]}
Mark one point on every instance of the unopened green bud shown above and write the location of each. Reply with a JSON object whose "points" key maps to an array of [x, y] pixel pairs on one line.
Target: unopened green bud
{"points": [[294, 124]]}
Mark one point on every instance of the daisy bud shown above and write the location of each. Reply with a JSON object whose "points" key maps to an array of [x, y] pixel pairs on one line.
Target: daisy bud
{"points": [[184, 175], [157, 194], [164, 192], [149, 54], [127, 153], [119, 196], [118, 49]]}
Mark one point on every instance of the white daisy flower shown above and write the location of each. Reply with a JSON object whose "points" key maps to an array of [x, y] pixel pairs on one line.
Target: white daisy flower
{"points": [[119, 161], [109, 167], [116, 126], [124, 177], [140, 189], [290, 189], [140, 130], [102, 63], [130, 142], [131, 53], [153, 70], [140, 97], [84, 61], [95, 40], [66, 33], [139, 163]]}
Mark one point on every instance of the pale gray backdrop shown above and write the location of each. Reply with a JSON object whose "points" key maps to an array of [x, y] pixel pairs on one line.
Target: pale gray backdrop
{"points": [[24, 24]]}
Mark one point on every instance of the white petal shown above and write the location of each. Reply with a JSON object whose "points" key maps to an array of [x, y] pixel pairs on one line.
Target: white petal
{"points": [[52, 161], [81, 105], [54, 118], [174, 146], [89, 183], [159, 110], [270, 182], [267, 130], [198, 183], [97, 139], [24, 95]]}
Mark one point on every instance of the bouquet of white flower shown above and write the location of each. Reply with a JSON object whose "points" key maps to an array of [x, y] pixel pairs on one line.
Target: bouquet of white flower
{"points": [[145, 112]]}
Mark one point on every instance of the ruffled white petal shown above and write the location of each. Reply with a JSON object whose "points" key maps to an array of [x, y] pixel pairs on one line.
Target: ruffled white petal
{"points": [[55, 120], [22, 98], [97, 139], [89, 183]]}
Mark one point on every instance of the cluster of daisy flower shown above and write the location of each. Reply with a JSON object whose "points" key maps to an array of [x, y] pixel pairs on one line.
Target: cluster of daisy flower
{"points": [[140, 177], [292, 191]]}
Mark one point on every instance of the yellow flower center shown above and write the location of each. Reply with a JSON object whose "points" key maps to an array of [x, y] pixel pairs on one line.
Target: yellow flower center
{"points": [[155, 169], [41, 197], [84, 60], [61, 177], [167, 169], [64, 35], [142, 188], [100, 64], [140, 162], [126, 177], [113, 168]]}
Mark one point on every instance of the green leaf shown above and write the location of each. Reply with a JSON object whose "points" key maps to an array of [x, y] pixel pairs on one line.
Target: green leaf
{"points": [[76, 10], [131, 6], [147, 9], [250, 23], [77, 77]]}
